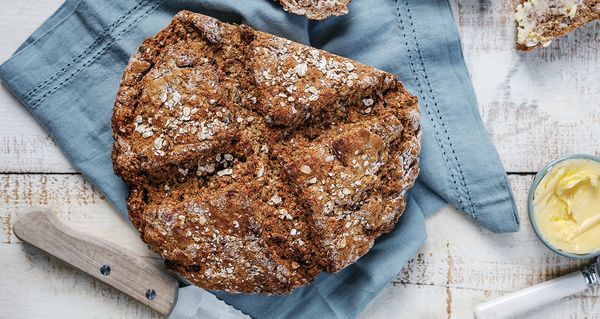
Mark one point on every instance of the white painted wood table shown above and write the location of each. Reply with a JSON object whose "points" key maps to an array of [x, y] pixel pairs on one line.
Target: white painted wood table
{"points": [[536, 106]]}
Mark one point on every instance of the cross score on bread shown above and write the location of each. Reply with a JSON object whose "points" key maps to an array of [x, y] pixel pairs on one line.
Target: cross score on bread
{"points": [[255, 162]]}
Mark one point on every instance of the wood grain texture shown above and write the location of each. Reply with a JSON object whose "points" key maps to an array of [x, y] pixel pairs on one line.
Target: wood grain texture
{"points": [[462, 265], [536, 106], [24, 145], [34, 285], [102, 259]]}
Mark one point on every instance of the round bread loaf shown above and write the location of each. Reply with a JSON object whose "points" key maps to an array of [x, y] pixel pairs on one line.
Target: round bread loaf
{"points": [[255, 162]]}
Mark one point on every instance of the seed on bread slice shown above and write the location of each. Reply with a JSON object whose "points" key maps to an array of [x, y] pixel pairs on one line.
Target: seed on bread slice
{"points": [[539, 22], [316, 9]]}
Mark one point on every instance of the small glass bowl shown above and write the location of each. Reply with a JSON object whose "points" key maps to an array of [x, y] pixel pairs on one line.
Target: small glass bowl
{"points": [[538, 178]]}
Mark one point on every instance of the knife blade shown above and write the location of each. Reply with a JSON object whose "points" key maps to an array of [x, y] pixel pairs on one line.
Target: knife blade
{"points": [[121, 269]]}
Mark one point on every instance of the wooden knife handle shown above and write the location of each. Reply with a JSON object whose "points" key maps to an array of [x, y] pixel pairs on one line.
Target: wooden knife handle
{"points": [[109, 263]]}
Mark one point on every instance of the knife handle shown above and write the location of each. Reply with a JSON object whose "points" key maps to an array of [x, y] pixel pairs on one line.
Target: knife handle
{"points": [[113, 265], [519, 302]]}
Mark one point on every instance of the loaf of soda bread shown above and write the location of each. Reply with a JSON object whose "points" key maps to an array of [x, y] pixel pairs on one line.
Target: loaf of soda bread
{"points": [[255, 162]]}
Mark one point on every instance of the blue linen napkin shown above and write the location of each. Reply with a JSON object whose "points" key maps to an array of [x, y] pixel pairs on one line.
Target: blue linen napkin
{"points": [[68, 71]]}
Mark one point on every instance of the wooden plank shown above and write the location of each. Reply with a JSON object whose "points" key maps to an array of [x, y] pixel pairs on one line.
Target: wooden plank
{"points": [[20, 19], [24, 145], [34, 285], [132, 274], [74, 201], [44, 287], [460, 265], [416, 301], [536, 105]]}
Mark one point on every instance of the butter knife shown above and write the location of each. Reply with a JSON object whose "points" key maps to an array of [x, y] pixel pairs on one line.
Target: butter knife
{"points": [[517, 303], [121, 269]]}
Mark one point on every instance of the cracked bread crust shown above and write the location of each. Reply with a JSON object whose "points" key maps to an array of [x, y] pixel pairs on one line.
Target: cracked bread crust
{"points": [[316, 9], [255, 162]]}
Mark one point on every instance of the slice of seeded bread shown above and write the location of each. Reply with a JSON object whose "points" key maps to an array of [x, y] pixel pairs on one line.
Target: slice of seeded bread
{"points": [[539, 22], [316, 9], [255, 162]]}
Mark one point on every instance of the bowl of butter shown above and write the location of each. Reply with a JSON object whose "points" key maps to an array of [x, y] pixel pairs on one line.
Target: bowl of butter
{"points": [[564, 205]]}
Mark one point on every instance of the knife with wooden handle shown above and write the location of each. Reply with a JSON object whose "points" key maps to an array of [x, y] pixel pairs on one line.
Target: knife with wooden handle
{"points": [[120, 268]]}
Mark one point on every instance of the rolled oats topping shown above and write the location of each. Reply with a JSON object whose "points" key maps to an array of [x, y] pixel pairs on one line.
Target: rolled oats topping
{"points": [[305, 169], [255, 162]]}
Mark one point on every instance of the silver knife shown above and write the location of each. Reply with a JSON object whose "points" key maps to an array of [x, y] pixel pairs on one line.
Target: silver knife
{"points": [[121, 269]]}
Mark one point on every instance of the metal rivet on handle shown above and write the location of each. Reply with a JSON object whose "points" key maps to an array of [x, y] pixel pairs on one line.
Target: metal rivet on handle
{"points": [[105, 270], [150, 294]]}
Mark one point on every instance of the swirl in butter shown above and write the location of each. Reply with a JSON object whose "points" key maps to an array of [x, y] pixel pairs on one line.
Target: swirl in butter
{"points": [[566, 206]]}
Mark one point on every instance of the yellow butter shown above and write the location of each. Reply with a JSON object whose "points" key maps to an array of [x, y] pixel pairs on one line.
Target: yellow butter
{"points": [[566, 206]]}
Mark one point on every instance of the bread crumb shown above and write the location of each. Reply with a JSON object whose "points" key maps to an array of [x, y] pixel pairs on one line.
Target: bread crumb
{"points": [[305, 169], [261, 171], [158, 143], [341, 244], [276, 199], [224, 172], [301, 69]]}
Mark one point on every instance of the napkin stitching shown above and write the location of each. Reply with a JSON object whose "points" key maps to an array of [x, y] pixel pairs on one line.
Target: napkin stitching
{"points": [[414, 72], [437, 110], [433, 118], [105, 47], [99, 38]]}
